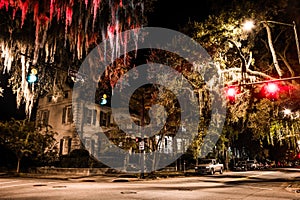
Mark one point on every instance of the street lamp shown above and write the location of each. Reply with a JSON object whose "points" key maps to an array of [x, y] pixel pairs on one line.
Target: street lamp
{"points": [[287, 111], [248, 25]]}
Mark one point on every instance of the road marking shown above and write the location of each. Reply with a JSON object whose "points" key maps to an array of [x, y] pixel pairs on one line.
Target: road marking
{"points": [[7, 182], [23, 184], [258, 188], [263, 173], [252, 176], [16, 185]]}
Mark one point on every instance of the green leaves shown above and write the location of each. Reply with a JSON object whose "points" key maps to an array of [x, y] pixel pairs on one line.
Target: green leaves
{"points": [[22, 138]]}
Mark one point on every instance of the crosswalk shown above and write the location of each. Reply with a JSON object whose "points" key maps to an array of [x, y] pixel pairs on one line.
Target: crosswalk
{"points": [[13, 182]]}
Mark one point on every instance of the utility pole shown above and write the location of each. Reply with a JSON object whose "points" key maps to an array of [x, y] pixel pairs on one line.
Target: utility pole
{"points": [[142, 147]]}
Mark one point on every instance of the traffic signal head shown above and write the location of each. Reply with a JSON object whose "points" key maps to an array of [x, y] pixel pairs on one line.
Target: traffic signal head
{"points": [[32, 75], [272, 88], [103, 100], [272, 91], [231, 93]]}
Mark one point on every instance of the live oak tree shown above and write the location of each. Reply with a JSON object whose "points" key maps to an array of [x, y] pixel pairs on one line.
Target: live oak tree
{"points": [[248, 57], [242, 59], [56, 36], [25, 140]]}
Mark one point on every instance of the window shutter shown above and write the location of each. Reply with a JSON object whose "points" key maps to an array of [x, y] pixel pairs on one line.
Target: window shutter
{"points": [[101, 118], [108, 119], [64, 115], [94, 117], [47, 117], [69, 115]]}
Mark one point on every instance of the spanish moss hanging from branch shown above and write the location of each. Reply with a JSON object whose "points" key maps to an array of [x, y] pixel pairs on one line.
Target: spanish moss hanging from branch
{"points": [[58, 33]]}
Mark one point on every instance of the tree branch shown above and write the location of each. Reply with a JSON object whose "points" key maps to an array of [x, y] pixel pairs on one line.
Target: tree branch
{"points": [[250, 72], [242, 57], [275, 61], [288, 66]]}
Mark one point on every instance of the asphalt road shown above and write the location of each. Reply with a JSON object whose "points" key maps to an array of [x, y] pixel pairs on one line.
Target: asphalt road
{"points": [[273, 185]]}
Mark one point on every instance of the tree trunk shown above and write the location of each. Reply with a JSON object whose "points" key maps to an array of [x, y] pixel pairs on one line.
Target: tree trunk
{"points": [[289, 67], [275, 61], [18, 165]]}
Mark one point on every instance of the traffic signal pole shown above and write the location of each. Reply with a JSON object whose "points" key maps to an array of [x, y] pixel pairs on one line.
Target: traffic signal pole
{"points": [[268, 81], [295, 34], [142, 153]]}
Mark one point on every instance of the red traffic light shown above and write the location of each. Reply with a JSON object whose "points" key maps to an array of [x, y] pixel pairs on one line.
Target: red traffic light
{"points": [[272, 88], [272, 91], [231, 93]]}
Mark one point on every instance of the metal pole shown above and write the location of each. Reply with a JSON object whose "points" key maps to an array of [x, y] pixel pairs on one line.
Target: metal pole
{"points": [[142, 175], [295, 33], [267, 81], [281, 23], [297, 41]]}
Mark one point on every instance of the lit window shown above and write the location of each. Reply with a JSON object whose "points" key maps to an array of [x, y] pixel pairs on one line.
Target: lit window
{"points": [[67, 116]]}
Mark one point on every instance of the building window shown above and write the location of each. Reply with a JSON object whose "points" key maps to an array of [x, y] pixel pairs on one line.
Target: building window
{"points": [[69, 145], [105, 119], [66, 95], [90, 116], [61, 146], [49, 99], [94, 117], [108, 119], [67, 115], [44, 117], [65, 145]]}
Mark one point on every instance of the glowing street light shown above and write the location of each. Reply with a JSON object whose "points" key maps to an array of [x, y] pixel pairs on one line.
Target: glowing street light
{"points": [[248, 25], [287, 111]]}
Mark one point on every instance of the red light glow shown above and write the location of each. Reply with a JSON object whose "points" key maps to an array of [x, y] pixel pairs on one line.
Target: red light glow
{"points": [[231, 92], [272, 88]]}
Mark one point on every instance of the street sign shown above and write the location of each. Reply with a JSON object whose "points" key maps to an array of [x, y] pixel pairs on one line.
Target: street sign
{"points": [[141, 145], [76, 76]]}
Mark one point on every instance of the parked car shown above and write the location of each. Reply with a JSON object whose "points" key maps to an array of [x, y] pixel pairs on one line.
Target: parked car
{"points": [[209, 166], [240, 166], [252, 165]]}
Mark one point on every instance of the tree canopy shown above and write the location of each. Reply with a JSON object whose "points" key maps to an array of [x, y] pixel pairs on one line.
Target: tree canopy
{"points": [[55, 36], [24, 139], [245, 58]]}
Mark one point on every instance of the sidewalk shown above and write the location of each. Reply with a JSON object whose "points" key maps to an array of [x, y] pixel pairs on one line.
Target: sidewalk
{"points": [[115, 177]]}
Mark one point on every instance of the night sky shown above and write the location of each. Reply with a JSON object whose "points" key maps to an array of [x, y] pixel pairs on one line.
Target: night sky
{"points": [[8, 102], [173, 14]]}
